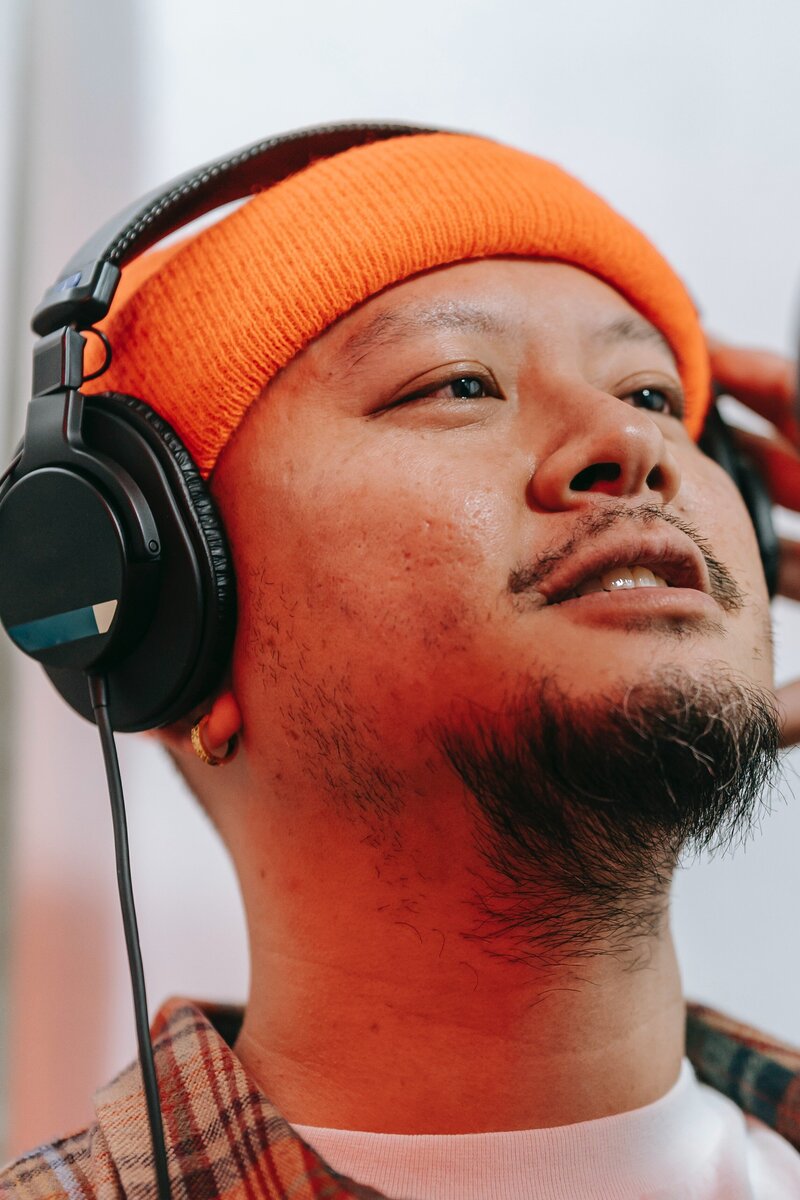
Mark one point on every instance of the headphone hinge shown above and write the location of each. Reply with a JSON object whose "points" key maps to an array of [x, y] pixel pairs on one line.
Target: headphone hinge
{"points": [[51, 424], [54, 438], [58, 362]]}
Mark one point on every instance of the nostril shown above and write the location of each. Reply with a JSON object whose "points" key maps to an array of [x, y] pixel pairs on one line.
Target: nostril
{"points": [[655, 480], [597, 473]]}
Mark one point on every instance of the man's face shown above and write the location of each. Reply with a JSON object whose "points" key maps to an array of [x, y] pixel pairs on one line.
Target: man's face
{"points": [[413, 488]]}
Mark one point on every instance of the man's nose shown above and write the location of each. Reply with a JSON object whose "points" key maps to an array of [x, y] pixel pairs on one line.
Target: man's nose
{"points": [[604, 447]]}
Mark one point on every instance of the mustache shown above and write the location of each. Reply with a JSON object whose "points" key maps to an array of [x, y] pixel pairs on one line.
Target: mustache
{"points": [[724, 587]]}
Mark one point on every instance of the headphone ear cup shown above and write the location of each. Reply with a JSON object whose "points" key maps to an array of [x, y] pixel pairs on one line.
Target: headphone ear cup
{"points": [[193, 491], [718, 443], [186, 646]]}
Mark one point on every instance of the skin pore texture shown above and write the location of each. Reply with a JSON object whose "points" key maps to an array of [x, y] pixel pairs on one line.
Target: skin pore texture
{"points": [[457, 808]]}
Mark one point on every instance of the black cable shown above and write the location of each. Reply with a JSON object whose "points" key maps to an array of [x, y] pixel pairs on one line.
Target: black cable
{"points": [[10, 468], [98, 691]]}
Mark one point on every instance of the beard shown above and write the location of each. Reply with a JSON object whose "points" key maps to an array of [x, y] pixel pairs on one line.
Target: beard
{"points": [[586, 808]]}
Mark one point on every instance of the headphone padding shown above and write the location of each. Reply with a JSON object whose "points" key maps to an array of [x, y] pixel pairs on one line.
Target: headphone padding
{"points": [[196, 492]]}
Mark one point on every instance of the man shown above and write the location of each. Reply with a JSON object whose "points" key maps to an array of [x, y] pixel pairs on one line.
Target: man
{"points": [[503, 653]]}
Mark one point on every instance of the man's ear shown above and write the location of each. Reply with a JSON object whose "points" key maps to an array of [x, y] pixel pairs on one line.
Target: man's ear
{"points": [[224, 722]]}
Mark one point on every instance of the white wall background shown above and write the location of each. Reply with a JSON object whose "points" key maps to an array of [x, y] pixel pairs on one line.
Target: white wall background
{"points": [[10, 145], [684, 114]]}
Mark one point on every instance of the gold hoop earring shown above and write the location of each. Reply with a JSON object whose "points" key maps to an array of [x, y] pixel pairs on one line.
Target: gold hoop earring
{"points": [[212, 760]]}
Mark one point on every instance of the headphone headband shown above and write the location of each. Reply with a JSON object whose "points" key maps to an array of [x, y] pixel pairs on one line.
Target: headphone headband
{"points": [[83, 292]]}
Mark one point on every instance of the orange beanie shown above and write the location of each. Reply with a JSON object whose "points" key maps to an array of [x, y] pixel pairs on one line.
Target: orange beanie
{"points": [[200, 328]]}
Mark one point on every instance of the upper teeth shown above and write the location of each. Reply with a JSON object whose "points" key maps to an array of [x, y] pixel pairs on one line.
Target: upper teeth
{"points": [[621, 577]]}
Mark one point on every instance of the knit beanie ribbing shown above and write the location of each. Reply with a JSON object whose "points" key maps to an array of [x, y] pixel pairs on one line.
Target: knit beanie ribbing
{"points": [[199, 329]]}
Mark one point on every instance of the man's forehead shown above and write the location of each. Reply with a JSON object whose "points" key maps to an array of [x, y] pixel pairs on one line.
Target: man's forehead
{"points": [[407, 319]]}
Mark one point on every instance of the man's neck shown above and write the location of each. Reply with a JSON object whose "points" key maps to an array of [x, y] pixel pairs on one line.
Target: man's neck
{"points": [[466, 1050]]}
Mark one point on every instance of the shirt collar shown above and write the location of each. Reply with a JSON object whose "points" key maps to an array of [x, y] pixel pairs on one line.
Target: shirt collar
{"points": [[223, 1136]]}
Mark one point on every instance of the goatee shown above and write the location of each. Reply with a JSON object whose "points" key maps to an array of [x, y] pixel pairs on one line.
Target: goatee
{"points": [[585, 809]]}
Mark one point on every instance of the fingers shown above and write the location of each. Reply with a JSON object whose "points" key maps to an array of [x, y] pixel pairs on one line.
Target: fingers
{"points": [[788, 698], [789, 569], [764, 381], [778, 464]]}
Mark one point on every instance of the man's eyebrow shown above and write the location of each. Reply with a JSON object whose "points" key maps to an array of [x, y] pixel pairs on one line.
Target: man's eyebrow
{"points": [[393, 325], [631, 329]]}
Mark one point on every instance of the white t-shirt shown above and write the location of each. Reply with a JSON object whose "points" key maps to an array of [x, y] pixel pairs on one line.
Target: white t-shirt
{"points": [[692, 1144]]}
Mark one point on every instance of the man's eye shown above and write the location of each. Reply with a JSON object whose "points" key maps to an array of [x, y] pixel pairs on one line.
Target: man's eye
{"points": [[656, 399], [461, 387], [468, 387]]}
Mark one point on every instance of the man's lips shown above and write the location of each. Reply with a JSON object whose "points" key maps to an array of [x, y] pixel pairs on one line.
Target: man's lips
{"points": [[667, 552]]}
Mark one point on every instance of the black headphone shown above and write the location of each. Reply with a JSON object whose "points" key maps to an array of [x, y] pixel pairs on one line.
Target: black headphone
{"points": [[114, 560]]}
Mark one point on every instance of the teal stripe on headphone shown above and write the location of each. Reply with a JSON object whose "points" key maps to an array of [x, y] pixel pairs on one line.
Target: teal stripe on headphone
{"points": [[64, 627]]}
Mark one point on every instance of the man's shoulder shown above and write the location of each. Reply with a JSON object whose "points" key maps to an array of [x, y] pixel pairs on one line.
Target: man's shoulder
{"points": [[220, 1132], [101, 1159], [758, 1072], [63, 1168]]}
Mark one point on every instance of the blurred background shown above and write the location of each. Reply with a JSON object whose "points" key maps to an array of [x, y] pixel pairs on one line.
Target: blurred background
{"points": [[682, 114]]}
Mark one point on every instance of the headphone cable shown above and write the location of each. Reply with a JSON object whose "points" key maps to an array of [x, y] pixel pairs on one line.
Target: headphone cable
{"points": [[12, 466], [98, 691]]}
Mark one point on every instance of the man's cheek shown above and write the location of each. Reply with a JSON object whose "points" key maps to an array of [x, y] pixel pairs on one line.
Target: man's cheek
{"points": [[721, 517], [402, 550], [714, 506]]}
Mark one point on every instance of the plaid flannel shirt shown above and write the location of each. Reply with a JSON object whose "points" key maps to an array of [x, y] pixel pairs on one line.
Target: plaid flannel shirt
{"points": [[224, 1138]]}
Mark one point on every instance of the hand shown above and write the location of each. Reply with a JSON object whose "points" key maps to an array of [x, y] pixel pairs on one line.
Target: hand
{"points": [[767, 383]]}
